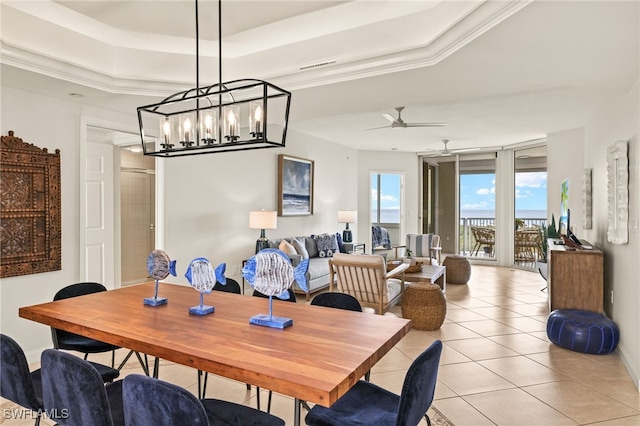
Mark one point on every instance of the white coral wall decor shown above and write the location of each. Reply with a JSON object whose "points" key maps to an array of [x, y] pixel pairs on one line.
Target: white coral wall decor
{"points": [[618, 193]]}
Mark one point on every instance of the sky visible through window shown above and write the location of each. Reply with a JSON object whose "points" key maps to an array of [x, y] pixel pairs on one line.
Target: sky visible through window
{"points": [[477, 196], [389, 198], [478, 199]]}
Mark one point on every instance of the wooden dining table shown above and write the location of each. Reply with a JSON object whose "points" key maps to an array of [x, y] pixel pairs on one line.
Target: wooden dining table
{"points": [[317, 359]]}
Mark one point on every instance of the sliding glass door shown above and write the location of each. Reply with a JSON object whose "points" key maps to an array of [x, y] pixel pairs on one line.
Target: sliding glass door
{"points": [[477, 206], [530, 196]]}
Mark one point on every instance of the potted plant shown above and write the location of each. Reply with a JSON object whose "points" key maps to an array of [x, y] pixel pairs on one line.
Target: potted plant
{"points": [[547, 232]]}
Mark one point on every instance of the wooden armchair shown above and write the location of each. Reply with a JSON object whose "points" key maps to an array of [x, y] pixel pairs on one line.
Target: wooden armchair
{"points": [[365, 277], [424, 247]]}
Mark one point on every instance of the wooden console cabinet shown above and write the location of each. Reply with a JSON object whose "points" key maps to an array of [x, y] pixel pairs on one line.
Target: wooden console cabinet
{"points": [[575, 278]]}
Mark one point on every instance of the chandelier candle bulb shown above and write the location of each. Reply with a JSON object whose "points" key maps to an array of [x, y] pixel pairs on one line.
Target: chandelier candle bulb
{"points": [[187, 129], [166, 130], [256, 120]]}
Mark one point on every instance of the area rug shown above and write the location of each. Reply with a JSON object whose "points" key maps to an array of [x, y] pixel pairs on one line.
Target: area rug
{"points": [[437, 418]]}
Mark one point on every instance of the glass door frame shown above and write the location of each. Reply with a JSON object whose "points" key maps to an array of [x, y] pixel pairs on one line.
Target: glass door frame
{"points": [[505, 200]]}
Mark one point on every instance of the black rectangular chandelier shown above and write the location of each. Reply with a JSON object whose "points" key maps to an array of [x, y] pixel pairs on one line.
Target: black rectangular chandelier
{"points": [[232, 116]]}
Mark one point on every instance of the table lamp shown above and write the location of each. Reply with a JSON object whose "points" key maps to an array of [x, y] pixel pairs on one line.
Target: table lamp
{"points": [[347, 216], [262, 220]]}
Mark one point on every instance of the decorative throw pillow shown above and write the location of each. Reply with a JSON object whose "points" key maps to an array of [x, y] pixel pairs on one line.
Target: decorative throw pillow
{"points": [[300, 247], [327, 244], [287, 248], [311, 246], [340, 242]]}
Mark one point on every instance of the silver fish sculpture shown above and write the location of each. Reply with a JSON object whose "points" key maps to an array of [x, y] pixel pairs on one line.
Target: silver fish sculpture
{"points": [[203, 277], [271, 273], [159, 266]]}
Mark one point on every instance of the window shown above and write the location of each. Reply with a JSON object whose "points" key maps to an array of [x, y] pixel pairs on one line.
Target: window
{"points": [[385, 198]]}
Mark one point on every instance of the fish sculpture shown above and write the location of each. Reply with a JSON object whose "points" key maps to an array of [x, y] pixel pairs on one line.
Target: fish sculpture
{"points": [[271, 273], [159, 267], [203, 277]]}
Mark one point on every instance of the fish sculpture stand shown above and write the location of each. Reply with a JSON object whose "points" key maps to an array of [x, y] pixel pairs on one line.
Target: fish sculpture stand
{"points": [[203, 277], [270, 272], [159, 267]]}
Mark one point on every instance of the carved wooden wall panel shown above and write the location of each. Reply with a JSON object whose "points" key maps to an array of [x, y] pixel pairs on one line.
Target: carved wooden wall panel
{"points": [[30, 211]]}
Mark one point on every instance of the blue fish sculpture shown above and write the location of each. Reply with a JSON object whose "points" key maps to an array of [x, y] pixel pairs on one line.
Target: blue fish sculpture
{"points": [[271, 273], [159, 267], [203, 277]]}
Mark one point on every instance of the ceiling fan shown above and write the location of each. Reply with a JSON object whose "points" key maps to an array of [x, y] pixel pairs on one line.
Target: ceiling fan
{"points": [[398, 122], [446, 151]]}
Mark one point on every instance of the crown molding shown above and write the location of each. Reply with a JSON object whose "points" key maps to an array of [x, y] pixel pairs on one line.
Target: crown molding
{"points": [[467, 28]]}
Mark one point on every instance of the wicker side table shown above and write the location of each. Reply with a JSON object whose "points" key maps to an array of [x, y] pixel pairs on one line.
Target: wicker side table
{"points": [[458, 269], [425, 305]]}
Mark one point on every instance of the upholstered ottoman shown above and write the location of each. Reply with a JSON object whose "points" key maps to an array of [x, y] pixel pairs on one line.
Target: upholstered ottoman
{"points": [[582, 331], [458, 269], [424, 304]]}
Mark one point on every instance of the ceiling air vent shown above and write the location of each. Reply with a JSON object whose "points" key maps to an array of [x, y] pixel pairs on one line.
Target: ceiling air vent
{"points": [[317, 65]]}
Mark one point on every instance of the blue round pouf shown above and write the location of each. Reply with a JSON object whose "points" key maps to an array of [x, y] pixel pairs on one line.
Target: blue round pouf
{"points": [[583, 331]]}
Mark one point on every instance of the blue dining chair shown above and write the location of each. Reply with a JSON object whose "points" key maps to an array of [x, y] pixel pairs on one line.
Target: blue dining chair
{"points": [[74, 394], [17, 383], [150, 401], [337, 300], [366, 403], [73, 342]]}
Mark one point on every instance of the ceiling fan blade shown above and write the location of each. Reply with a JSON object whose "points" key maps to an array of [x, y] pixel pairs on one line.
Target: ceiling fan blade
{"points": [[464, 149], [381, 127], [389, 117], [432, 153], [432, 124]]}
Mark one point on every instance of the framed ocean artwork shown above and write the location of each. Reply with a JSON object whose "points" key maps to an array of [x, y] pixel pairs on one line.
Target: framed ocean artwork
{"points": [[295, 186]]}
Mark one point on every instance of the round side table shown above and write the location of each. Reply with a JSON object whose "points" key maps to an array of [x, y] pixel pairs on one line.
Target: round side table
{"points": [[425, 305], [458, 269]]}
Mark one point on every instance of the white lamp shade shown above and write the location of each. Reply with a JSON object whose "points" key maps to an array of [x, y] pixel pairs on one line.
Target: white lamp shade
{"points": [[347, 216], [263, 219]]}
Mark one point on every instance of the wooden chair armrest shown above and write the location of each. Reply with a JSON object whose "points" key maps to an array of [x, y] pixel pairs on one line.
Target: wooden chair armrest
{"points": [[396, 249], [397, 270]]}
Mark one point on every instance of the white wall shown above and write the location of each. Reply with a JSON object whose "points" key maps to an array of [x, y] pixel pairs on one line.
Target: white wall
{"points": [[53, 124], [569, 153], [618, 119], [389, 162], [208, 199], [565, 151]]}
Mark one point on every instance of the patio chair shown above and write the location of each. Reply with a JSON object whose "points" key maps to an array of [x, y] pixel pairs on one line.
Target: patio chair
{"points": [[528, 245], [424, 247], [483, 237], [365, 277]]}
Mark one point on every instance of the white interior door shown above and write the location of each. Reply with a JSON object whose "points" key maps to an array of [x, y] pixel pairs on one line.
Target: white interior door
{"points": [[98, 211]]}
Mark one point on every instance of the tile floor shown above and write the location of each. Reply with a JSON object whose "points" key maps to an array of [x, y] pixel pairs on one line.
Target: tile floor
{"points": [[497, 366]]}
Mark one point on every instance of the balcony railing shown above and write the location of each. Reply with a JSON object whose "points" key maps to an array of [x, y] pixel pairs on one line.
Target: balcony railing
{"points": [[480, 244]]}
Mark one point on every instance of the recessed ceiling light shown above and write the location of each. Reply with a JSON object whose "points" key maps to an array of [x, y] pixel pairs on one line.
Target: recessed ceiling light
{"points": [[76, 95], [135, 149]]}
